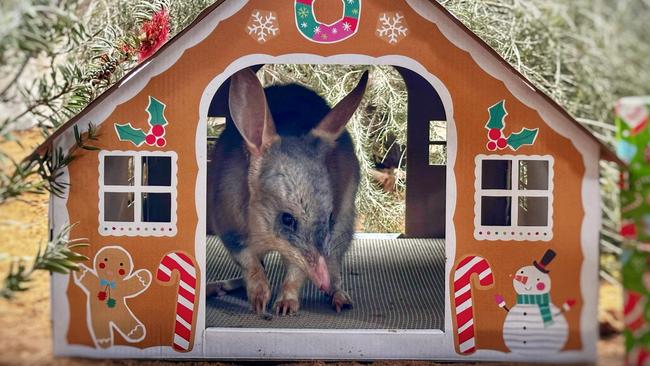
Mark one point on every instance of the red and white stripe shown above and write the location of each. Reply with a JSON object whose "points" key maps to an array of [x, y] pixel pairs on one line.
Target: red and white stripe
{"points": [[186, 299], [637, 356], [464, 309], [633, 308]]}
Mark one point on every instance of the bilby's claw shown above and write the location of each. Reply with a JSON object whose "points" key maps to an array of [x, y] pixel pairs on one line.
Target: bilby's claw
{"points": [[286, 306], [259, 296], [341, 300]]}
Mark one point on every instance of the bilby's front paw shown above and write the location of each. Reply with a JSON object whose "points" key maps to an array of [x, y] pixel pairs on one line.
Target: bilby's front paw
{"points": [[258, 295], [341, 300], [286, 305]]}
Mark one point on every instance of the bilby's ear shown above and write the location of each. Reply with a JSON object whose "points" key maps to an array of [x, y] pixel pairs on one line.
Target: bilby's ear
{"points": [[250, 112], [331, 127]]}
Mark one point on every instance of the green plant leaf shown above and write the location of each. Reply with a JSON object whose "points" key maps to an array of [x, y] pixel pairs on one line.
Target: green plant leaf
{"points": [[126, 132], [497, 115], [156, 110], [526, 136]]}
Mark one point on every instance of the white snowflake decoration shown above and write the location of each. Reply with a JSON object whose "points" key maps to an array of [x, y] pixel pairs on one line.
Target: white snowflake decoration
{"points": [[317, 29], [263, 25], [347, 26], [391, 27], [303, 12]]}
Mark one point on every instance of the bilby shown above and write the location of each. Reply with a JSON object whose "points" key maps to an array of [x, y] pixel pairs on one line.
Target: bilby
{"points": [[285, 178]]}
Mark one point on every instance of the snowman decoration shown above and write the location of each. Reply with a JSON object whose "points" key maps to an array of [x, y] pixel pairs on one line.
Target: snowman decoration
{"points": [[534, 324]]}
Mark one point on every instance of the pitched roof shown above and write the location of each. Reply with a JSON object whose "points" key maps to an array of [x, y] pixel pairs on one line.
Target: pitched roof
{"points": [[606, 152]]}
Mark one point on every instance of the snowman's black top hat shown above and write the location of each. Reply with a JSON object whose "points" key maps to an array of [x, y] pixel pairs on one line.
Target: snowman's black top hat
{"points": [[546, 259]]}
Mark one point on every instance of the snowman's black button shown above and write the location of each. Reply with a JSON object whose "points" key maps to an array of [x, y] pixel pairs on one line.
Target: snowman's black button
{"points": [[524, 327], [525, 314], [524, 342]]}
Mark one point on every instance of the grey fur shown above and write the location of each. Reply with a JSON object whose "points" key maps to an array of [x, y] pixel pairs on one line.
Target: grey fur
{"points": [[313, 177]]}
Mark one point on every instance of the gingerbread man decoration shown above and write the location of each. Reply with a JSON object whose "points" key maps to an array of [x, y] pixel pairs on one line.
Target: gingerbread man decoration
{"points": [[108, 284]]}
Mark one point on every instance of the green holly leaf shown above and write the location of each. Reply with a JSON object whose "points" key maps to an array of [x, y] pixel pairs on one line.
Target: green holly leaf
{"points": [[524, 137], [497, 115], [126, 132], [156, 110]]}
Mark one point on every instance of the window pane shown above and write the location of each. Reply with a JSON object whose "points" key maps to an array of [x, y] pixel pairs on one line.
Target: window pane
{"points": [[156, 207], [533, 211], [118, 170], [437, 154], [437, 130], [495, 211], [156, 171], [118, 206], [533, 174], [496, 174]]}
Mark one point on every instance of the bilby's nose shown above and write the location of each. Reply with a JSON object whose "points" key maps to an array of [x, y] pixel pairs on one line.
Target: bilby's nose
{"points": [[522, 279]]}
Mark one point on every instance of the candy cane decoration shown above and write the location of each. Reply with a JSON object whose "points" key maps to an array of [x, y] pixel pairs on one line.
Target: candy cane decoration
{"points": [[633, 313], [469, 266], [637, 356], [186, 298]]}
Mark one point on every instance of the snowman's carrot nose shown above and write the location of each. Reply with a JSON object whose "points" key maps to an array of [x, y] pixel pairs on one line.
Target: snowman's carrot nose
{"points": [[522, 279]]}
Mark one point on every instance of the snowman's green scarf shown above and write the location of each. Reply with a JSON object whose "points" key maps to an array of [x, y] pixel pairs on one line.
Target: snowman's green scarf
{"points": [[543, 301]]}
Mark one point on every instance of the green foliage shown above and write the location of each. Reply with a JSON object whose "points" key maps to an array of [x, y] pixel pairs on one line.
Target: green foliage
{"points": [[55, 58], [57, 256]]}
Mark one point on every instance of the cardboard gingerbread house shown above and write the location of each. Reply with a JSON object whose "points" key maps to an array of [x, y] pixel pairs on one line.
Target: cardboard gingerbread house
{"points": [[499, 256]]}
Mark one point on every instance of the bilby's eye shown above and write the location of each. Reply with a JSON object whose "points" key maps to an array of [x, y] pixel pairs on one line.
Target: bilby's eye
{"points": [[289, 222], [331, 221]]}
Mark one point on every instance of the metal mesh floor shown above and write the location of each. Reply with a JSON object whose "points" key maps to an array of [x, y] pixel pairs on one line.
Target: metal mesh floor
{"points": [[394, 284]]}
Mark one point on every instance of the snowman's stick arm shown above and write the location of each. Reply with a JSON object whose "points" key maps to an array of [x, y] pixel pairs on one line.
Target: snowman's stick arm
{"points": [[501, 302], [566, 306]]}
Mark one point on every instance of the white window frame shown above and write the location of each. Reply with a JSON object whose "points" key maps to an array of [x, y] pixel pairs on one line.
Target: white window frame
{"points": [[138, 227], [514, 231]]}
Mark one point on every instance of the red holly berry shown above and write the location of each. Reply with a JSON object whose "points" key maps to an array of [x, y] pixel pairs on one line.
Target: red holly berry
{"points": [[502, 143], [101, 295], [494, 134], [161, 142], [150, 139], [491, 146], [158, 130]]}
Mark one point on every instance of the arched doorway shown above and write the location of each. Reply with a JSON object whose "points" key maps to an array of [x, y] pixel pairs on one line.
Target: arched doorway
{"points": [[412, 265]]}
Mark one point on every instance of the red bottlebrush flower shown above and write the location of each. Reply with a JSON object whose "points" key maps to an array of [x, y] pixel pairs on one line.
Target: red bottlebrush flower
{"points": [[154, 34]]}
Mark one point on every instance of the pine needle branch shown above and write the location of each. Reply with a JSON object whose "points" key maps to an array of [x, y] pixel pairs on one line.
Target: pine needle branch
{"points": [[57, 256]]}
